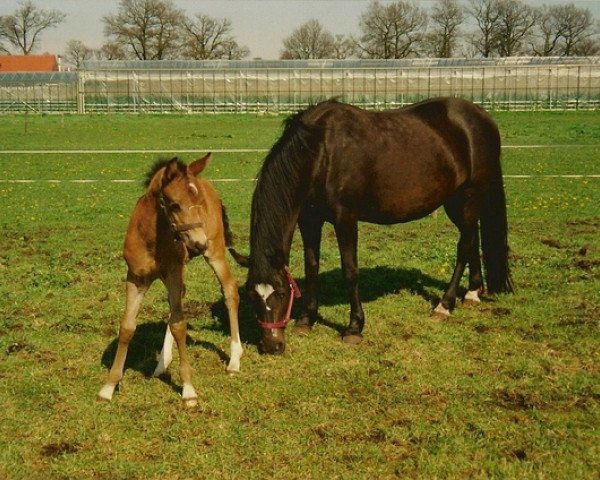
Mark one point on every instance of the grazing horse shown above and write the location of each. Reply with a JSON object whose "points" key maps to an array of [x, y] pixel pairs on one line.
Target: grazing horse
{"points": [[179, 217], [337, 163]]}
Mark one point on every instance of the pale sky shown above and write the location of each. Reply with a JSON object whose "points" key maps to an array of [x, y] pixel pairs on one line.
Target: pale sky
{"points": [[261, 25]]}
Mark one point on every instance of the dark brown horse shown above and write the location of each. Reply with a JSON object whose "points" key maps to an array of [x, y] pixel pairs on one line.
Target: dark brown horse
{"points": [[179, 217], [340, 164]]}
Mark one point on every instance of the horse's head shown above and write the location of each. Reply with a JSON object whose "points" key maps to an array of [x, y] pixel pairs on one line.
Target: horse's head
{"points": [[273, 302], [182, 199]]}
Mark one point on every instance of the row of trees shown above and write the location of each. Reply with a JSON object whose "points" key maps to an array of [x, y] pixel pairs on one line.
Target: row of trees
{"points": [[157, 29]]}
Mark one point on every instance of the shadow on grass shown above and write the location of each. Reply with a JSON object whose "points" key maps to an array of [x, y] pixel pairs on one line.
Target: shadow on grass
{"points": [[145, 346], [373, 283]]}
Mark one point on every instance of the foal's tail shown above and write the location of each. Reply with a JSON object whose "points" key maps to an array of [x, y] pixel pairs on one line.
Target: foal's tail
{"points": [[494, 238], [240, 259]]}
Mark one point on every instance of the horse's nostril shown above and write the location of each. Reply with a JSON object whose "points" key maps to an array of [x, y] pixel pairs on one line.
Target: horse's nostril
{"points": [[278, 348]]}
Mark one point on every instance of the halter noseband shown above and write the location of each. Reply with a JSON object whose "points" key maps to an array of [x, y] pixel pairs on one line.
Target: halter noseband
{"points": [[294, 293], [175, 228]]}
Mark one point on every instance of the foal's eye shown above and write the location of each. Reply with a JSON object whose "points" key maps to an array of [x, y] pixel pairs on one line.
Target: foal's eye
{"points": [[174, 207]]}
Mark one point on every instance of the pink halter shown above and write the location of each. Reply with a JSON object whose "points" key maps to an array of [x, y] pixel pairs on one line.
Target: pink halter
{"points": [[294, 293]]}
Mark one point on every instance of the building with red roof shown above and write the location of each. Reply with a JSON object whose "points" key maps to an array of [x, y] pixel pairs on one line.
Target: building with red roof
{"points": [[28, 63]]}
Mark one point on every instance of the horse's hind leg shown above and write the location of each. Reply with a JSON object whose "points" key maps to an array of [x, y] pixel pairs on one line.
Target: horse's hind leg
{"points": [[135, 291], [464, 213], [178, 327], [232, 302]]}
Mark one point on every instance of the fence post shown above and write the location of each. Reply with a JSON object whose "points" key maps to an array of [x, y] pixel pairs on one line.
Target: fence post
{"points": [[80, 94]]}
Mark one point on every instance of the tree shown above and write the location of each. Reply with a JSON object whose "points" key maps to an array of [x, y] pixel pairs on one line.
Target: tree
{"points": [[310, 40], [564, 30], [446, 18], [207, 38], [146, 29], [516, 21], [77, 53], [24, 27], [111, 51], [486, 14], [395, 30], [343, 47]]}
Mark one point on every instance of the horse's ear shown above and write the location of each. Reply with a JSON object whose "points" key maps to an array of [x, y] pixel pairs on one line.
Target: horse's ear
{"points": [[198, 166], [171, 171]]}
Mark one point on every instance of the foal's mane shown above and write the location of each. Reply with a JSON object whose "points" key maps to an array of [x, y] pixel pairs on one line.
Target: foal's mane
{"points": [[158, 165]]}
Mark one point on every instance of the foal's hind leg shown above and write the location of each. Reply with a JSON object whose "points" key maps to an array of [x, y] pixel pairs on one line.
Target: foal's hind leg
{"points": [[166, 354], [232, 302], [178, 326], [135, 291]]}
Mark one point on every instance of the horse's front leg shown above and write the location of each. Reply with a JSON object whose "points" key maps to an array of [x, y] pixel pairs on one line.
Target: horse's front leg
{"points": [[135, 290], [232, 302], [310, 230], [178, 327], [346, 231]]}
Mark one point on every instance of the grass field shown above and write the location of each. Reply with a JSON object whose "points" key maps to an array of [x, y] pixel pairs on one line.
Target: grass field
{"points": [[509, 389]]}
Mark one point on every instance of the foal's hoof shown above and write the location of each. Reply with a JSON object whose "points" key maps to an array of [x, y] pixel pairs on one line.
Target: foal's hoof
{"points": [[302, 330], [352, 338], [189, 403]]}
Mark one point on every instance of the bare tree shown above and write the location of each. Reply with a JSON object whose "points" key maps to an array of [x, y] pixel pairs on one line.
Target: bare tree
{"points": [[111, 51], [207, 38], [343, 47], [395, 30], [446, 19], [516, 21], [148, 29], [77, 53], [310, 40], [565, 30], [486, 14], [23, 28]]}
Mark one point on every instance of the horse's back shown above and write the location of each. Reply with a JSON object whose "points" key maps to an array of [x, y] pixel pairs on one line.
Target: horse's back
{"points": [[399, 165]]}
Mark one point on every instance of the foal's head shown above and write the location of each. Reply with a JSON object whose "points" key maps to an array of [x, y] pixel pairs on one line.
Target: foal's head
{"points": [[182, 201]]}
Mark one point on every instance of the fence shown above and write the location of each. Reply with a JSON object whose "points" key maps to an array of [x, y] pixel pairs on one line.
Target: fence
{"points": [[284, 86]]}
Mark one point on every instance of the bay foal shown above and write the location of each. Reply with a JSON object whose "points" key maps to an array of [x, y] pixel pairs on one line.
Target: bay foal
{"points": [[179, 217]]}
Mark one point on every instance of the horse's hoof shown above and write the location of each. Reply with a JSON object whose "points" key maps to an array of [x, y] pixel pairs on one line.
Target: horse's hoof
{"points": [[302, 330], [440, 313], [352, 338]]}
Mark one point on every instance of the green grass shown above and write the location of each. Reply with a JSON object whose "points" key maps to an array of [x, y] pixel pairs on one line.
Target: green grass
{"points": [[506, 390]]}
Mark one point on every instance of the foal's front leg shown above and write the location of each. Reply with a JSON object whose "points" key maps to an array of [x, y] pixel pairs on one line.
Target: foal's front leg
{"points": [[135, 291], [346, 231], [232, 302], [178, 326]]}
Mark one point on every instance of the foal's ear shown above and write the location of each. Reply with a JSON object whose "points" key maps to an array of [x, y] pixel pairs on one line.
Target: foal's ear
{"points": [[198, 166]]}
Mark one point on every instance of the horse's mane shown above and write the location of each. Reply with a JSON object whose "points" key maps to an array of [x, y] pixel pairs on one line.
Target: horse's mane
{"points": [[281, 181], [159, 164]]}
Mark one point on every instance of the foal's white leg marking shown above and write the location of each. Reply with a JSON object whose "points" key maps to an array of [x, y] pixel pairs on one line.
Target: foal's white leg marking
{"points": [[264, 290], [441, 310], [472, 296], [236, 354], [189, 395], [166, 354], [106, 392]]}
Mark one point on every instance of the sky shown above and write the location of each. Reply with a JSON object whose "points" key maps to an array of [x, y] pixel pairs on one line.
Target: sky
{"points": [[261, 25]]}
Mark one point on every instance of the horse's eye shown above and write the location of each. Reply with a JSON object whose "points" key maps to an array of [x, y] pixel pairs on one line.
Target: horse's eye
{"points": [[174, 207], [280, 295]]}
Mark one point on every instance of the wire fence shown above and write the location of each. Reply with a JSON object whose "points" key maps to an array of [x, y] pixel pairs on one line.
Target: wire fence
{"points": [[286, 86]]}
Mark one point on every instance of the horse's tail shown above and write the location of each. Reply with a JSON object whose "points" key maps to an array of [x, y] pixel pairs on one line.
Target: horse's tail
{"points": [[240, 259], [494, 238]]}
